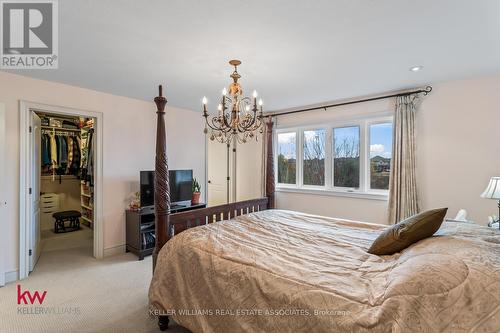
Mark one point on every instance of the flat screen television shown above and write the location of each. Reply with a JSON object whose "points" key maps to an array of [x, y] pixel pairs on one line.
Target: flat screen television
{"points": [[147, 190], [181, 183]]}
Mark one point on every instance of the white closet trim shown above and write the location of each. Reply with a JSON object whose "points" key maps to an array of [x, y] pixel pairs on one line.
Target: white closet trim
{"points": [[25, 108]]}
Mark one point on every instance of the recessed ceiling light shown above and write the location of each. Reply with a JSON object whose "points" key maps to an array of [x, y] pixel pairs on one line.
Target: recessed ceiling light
{"points": [[416, 68]]}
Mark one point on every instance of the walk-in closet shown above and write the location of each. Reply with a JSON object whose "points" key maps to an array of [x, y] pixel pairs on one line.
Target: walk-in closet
{"points": [[66, 182]]}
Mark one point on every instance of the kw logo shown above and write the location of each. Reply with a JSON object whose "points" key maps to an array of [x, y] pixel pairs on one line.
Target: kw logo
{"points": [[27, 298]]}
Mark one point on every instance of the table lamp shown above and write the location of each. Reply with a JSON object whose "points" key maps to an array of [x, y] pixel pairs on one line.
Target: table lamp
{"points": [[493, 192]]}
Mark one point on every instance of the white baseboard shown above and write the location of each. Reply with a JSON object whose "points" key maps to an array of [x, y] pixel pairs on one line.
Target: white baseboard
{"points": [[11, 276], [113, 251]]}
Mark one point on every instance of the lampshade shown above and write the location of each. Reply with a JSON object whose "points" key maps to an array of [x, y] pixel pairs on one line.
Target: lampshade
{"points": [[493, 189]]}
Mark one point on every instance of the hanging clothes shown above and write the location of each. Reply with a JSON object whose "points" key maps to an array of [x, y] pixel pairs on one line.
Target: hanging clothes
{"points": [[45, 150], [74, 167], [83, 144], [70, 154], [60, 153], [79, 143], [88, 157], [53, 150]]}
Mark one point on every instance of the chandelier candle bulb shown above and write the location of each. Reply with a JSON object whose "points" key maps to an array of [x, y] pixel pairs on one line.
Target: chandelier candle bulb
{"points": [[204, 101], [224, 92]]}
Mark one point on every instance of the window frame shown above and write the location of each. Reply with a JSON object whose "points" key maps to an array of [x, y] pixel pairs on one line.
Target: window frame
{"points": [[364, 191], [382, 120], [301, 131], [275, 150], [332, 153]]}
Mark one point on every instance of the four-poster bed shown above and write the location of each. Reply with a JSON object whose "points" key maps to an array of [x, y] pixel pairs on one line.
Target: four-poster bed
{"points": [[168, 224], [262, 269]]}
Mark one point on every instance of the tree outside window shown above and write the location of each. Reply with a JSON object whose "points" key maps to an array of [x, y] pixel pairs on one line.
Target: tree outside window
{"points": [[287, 158], [346, 157]]}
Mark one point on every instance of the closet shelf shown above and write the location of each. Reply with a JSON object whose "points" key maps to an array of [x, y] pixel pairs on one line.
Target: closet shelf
{"points": [[87, 207], [61, 129], [86, 195], [86, 219]]}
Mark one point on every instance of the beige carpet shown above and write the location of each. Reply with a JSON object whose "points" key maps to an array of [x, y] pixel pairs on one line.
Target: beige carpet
{"points": [[84, 294]]}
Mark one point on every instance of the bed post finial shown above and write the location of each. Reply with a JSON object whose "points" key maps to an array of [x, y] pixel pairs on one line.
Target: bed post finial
{"points": [[270, 165], [162, 188]]}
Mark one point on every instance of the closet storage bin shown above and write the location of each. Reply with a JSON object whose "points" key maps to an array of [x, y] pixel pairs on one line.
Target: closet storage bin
{"points": [[49, 204]]}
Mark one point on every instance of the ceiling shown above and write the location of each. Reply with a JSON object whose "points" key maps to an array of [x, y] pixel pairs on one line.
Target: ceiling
{"points": [[294, 53]]}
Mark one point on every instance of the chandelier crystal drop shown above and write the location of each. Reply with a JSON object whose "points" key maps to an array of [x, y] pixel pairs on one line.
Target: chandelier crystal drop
{"points": [[238, 117]]}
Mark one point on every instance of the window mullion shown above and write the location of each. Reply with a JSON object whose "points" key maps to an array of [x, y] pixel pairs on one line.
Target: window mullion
{"points": [[368, 153], [362, 159], [300, 157], [329, 158]]}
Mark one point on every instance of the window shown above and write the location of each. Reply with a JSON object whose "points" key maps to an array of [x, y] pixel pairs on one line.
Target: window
{"points": [[346, 157], [287, 158], [314, 157], [380, 155]]}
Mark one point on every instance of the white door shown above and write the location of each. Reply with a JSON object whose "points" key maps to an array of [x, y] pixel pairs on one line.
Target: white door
{"points": [[248, 170], [35, 166], [217, 154], [2, 193]]}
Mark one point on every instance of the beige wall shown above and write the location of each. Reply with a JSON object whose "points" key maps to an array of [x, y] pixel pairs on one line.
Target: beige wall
{"points": [[128, 147], [457, 142], [458, 146]]}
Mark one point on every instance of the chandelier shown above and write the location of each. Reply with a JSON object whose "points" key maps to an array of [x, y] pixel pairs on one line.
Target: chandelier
{"points": [[238, 117]]}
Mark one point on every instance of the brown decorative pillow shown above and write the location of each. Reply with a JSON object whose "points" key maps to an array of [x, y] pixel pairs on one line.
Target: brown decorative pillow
{"points": [[401, 235]]}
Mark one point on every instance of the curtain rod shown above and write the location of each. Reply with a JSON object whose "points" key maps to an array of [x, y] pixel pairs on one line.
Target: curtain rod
{"points": [[424, 91]]}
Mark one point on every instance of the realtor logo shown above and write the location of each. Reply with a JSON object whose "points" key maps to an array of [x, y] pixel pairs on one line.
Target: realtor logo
{"points": [[27, 297], [29, 34]]}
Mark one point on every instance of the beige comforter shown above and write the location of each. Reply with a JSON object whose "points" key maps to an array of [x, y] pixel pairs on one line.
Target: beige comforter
{"points": [[283, 271]]}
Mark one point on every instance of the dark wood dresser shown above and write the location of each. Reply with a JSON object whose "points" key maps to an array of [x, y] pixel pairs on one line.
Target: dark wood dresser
{"points": [[140, 228]]}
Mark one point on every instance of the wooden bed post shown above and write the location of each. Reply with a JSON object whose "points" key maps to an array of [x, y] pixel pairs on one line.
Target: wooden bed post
{"points": [[270, 165], [162, 188]]}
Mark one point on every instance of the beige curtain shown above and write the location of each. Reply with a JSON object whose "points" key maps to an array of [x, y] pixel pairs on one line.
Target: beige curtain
{"points": [[403, 194], [267, 151], [263, 159]]}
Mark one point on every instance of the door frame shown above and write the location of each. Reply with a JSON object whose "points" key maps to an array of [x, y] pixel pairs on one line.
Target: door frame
{"points": [[25, 107], [3, 236], [35, 176]]}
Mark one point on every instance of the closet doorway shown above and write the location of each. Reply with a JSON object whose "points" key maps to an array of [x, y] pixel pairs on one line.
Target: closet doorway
{"points": [[60, 174]]}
